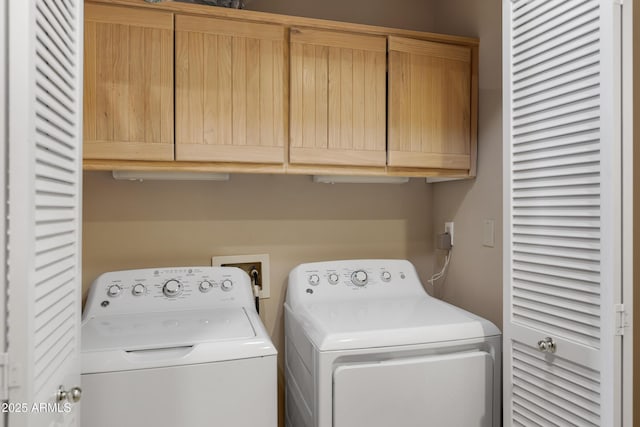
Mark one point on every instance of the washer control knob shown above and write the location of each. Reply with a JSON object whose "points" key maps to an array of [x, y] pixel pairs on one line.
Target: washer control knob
{"points": [[172, 288], [334, 278], [359, 277], [205, 286], [113, 290], [314, 280], [138, 289], [226, 285], [385, 276]]}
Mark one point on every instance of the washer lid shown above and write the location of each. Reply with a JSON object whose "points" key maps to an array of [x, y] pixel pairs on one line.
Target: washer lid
{"points": [[148, 331], [371, 323]]}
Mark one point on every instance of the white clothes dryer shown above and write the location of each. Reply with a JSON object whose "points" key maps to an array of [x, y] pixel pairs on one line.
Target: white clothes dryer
{"points": [[171, 347], [365, 345]]}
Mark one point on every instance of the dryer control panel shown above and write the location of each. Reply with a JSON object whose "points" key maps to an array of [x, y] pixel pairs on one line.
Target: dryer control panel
{"points": [[331, 280], [164, 289]]}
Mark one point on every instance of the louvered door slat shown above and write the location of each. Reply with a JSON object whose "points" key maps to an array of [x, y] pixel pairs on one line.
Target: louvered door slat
{"points": [[66, 13], [42, 231], [545, 53], [558, 250], [51, 11], [583, 47], [565, 390], [561, 111], [563, 19], [53, 96], [64, 122], [524, 12], [524, 417], [577, 287], [556, 241], [555, 94], [554, 401], [540, 202], [45, 202], [55, 304], [59, 50], [552, 405], [55, 173], [47, 185], [564, 152], [560, 153], [49, 107], [57, 157], [54, 242], [572, 380], [587, 303]]}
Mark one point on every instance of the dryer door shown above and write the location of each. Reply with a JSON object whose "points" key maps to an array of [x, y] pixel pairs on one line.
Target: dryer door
{"points": [[442, 390]]}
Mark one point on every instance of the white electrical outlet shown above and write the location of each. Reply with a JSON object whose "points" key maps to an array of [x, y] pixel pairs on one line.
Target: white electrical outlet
{"points": [[448, 228], [261, 261]]}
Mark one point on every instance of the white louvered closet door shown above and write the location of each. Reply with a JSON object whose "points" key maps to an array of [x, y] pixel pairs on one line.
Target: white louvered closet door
{"points": [[44, 210], [562, 212]]}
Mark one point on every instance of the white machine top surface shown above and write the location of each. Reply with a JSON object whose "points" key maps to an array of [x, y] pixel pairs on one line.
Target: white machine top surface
{"points": [[158, 317], [388, 308], [143, 331]]}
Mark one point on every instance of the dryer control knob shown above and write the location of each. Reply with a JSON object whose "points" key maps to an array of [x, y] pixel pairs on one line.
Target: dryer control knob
{"points": [[226, 285], [138, 289], [114, 290], [172, 288], [314, 280], [359, 277], [334, 278], [386, 276], [205, 286]]}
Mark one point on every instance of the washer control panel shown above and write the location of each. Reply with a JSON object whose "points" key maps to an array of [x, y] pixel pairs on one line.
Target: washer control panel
{"points": [[158, 289], [315, 282]]}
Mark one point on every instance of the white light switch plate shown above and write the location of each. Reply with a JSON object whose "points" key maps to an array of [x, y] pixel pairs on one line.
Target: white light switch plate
{"points": [[488, 233]]}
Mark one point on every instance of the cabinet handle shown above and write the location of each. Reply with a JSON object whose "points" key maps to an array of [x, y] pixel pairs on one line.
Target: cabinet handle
{"points": [[547, 345]]}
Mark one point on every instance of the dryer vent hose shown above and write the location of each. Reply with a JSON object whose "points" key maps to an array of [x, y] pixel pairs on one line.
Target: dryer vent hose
{"points": [[254, 274]]}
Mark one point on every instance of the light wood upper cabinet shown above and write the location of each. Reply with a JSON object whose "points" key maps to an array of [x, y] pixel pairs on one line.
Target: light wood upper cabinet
{"points": [[181, 86], [338, 93], [230, 91], [430, 104], [128, 83]]}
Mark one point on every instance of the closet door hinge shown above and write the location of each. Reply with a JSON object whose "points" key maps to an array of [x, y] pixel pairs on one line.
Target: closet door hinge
{"points": [[621, 319], [4, 373]]}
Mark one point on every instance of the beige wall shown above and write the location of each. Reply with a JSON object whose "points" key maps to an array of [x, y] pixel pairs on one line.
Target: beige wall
{"points": [[135, 225], [474, 281], [407, 14]]}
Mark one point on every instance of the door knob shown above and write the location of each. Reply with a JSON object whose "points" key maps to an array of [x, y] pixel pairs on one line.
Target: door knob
{"points": [[547, 345], [74, 395]]}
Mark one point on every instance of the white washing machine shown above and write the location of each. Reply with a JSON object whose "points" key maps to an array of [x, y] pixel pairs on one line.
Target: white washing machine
{"points": [[171, 347], [365, 345]]}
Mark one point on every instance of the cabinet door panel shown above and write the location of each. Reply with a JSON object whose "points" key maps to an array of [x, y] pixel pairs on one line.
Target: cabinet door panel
{"points": [[337, 98], [229, 91], [429, 104], [128, 84]]}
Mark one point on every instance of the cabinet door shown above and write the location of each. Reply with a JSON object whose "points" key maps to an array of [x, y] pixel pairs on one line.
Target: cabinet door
{"points": [[429, 104], [128, 83], [338, 93], [230, 91]]}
